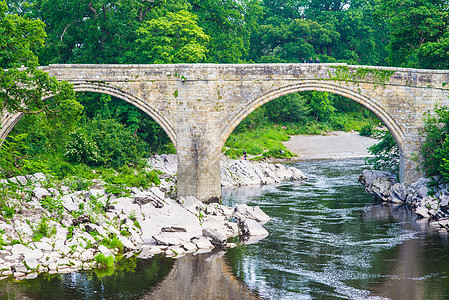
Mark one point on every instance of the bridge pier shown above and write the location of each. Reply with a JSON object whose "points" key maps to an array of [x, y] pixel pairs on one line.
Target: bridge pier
{"points": [[199, 163], [409, 160]]}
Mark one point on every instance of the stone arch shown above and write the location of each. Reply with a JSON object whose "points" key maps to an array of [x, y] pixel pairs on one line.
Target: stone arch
{"points": [[395, 129], [12, 119]]}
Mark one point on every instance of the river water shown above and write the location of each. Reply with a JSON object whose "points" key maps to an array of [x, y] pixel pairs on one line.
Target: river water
{"points": [[328, 240]]}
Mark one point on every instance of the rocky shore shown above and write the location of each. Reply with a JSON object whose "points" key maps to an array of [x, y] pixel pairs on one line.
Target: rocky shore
{"points": [[428, 202], [236, 172], [59, 226]]}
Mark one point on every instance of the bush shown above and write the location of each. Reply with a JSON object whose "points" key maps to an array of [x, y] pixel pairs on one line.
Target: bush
{"points": [[435, 148], [81, 148], [112, 242], [366, 130], [11, 155], [108, 261], [117, 144], [385, 152], [42, 230]]}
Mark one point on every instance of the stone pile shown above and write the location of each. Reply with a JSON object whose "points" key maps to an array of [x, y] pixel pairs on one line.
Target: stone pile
{"points": [[76, 226], [236, 172], [428, 202]]}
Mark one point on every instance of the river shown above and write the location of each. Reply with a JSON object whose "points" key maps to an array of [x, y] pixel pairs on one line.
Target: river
{"points": [[328, 240]]}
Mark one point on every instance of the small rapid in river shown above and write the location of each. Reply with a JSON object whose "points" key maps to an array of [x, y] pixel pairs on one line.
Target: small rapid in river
{"points": [[328, 240]]}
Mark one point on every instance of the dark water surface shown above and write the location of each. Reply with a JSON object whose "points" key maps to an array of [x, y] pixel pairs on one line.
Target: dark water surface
{"points": [[328, 240]]}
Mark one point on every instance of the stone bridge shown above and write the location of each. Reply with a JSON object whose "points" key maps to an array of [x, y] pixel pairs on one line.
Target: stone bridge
{"points": [[199, 105]]}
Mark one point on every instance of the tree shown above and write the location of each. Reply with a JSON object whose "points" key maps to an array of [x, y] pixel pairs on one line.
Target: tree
{"points": [[298, 41], [174, 38], [23, 87], [230, 25], [419, 32], [385, 154]]}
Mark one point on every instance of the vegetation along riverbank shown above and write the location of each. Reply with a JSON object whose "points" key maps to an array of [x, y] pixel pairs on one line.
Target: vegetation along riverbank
{"points": [[429, 195]]}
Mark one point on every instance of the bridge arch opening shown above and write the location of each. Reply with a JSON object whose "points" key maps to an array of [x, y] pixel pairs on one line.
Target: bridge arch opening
{"points": [[352, 97], [11, 119], [147, 131], [384, 117]]}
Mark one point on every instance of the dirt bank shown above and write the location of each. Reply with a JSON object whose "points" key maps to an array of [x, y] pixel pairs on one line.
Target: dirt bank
{"points": [[335, 145]]}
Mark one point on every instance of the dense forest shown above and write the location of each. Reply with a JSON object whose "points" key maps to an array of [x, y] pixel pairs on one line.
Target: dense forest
{"points": [[72, 133]]}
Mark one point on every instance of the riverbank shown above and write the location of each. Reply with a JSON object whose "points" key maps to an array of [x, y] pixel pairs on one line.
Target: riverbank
{"points": [[429, 198], [64, 226], [335, 145]]}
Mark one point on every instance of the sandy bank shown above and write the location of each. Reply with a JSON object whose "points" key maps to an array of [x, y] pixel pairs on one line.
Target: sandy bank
{"points": [[335, 145]]}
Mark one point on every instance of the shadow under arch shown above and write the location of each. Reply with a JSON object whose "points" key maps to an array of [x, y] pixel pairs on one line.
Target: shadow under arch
{"points": [[394, 128], [12, 119]]}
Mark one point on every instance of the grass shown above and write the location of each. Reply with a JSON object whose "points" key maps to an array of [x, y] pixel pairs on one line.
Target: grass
{"points": [[112, 242], [43, 229], [103, 260]]}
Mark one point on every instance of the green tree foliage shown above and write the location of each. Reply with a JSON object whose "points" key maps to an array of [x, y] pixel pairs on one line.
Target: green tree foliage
{"points": [[435, 148], [295, 42], [174, 38], [321, 105], [385, 154], [11, 156], [230, 25], [102, 106], [27, 89], [291, 108], [117, 144], [419, 32]]}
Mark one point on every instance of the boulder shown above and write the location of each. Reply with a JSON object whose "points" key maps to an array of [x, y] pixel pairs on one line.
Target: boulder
{"points": [[41, 193], [171, 238], [202, 243], [398, 193], [422, 212], [217, 239], [142, 198], [368, 177], [251, 228], [251, 212], [31, 263]]}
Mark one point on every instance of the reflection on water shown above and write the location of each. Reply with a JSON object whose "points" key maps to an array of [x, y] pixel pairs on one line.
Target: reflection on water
{"points": [[203, 277], [328, 240]]}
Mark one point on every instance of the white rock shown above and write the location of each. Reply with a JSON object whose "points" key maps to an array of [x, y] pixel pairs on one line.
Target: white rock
{"points": [[127, 243], [31, 263], [254, 228], [104, 250], [171, 238], [41, 193], [26, 252], [189, 247], [43, 246], [202, 243], [253, 213]]}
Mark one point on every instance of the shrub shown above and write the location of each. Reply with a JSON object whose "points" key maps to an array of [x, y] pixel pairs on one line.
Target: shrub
{"points": [[81, 148], [108, 261], [435, 148], [117, 144], [366, 130], [385, 154], [43, 230], [112, 242], [53, 205]]}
